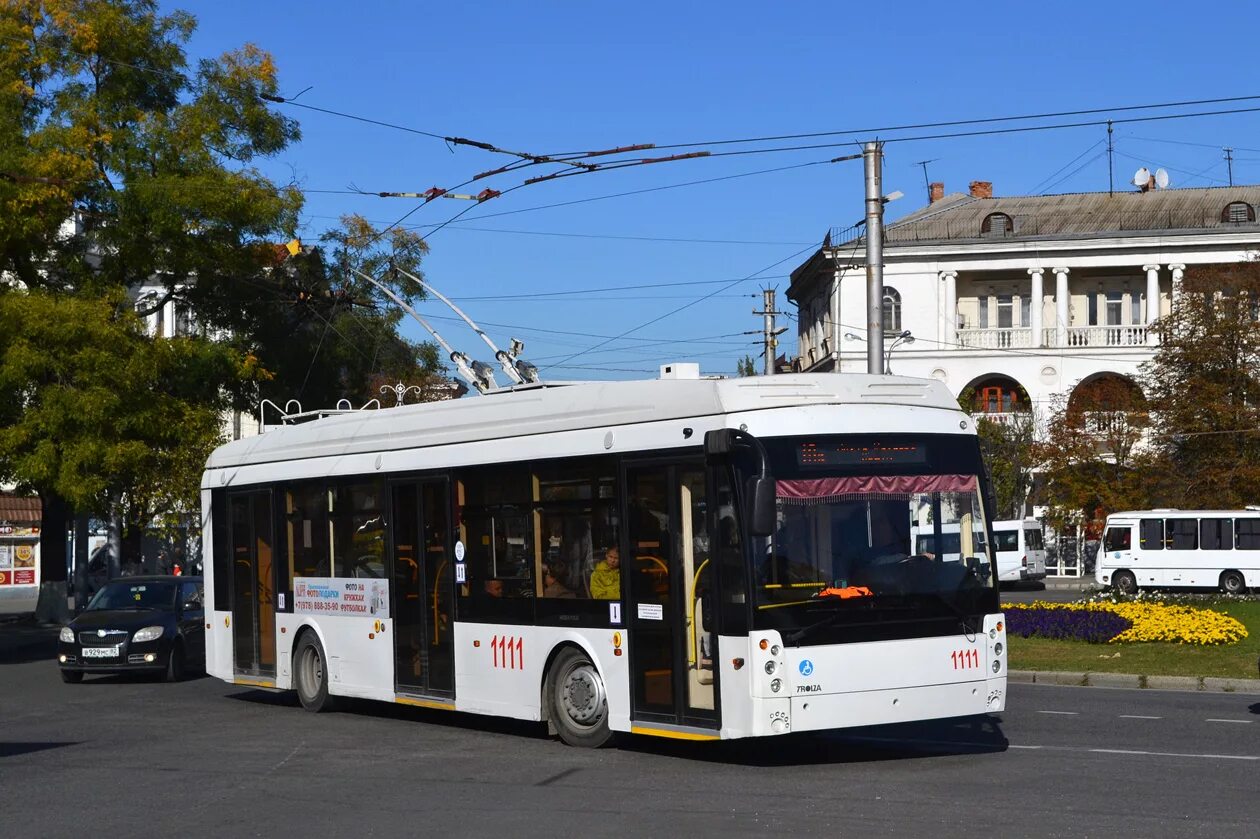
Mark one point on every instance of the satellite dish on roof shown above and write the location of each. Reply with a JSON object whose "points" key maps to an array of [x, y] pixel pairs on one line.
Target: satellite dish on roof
{"points": [[1142, 177], [1161, 178]]}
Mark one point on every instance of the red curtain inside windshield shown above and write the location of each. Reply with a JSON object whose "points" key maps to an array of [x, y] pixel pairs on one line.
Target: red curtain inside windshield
{"points": [[815, 489]]}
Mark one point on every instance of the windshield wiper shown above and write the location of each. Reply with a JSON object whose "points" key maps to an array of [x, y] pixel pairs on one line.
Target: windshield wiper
{"points": [[806, 630], [963, 617]]}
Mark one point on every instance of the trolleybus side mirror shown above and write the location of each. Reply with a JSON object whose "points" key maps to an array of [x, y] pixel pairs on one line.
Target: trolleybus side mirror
{"points": [[761, 513]]}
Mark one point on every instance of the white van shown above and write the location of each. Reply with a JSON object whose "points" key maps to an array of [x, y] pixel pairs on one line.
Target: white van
{"points": [[1019, 547], [1181, 549]]}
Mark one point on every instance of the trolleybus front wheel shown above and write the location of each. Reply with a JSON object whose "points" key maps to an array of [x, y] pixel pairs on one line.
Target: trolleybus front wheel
{"points": [[578, 703], [310, 674]]}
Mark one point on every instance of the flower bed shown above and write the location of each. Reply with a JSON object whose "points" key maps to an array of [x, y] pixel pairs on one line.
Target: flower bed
{"points": [[1123, 621]]}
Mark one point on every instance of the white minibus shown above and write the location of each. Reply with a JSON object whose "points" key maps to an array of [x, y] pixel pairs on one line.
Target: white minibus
{"points": [[1181, 549], [1017, 543]]}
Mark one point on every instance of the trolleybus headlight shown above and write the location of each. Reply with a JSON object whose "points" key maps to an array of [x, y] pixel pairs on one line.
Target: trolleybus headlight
{"points": [[997, 665], [149, 633], [997, 648], [774, 650], [775, 685], [992, 633], [769, 667], [67, 635]]}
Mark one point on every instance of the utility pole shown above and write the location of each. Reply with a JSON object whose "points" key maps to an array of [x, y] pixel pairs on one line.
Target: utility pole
{"points": [[1229, 162], [872, 163], [769, 334], [1111, 183]]}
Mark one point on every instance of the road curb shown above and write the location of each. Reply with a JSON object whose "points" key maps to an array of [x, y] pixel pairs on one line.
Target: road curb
{"points": [[1210, 684]]}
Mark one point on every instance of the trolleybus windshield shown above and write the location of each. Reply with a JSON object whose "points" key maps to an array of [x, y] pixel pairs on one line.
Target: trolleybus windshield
{"points": [[853, 515]]}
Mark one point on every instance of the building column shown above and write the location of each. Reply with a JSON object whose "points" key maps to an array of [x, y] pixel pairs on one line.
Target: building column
{"points": [[1035, 305], [950, 336], [1061, 304], [1174, 293], [834, 315], [1152, 293]]}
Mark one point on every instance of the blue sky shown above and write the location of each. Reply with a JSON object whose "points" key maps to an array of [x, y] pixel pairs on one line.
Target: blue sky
{"points": [[550, 77]]}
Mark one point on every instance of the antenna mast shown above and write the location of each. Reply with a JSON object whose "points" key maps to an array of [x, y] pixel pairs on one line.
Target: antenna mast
{"points": [[463, 366], [506, 359], [1111, 184]]}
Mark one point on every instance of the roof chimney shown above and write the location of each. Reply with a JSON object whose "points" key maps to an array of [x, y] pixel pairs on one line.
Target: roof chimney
{"points": [[981, 189], [936, 192]]}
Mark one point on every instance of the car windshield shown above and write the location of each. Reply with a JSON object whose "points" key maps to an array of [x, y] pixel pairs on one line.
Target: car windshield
{"points": [[146, 595], [868, 524]]}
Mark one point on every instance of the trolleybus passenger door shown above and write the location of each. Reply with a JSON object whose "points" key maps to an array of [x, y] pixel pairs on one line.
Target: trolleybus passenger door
{"points": [[422, 587], [672, 632], [253, 583]]}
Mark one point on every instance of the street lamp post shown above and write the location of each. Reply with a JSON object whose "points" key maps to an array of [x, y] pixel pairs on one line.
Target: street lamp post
{"points": [[903, 337]]}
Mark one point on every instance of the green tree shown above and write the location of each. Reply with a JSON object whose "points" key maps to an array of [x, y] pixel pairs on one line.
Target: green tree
{"points": [[1204, 390], [1008, 447], [746, 366], [119, 164], [1093, 456], [94, 410]]}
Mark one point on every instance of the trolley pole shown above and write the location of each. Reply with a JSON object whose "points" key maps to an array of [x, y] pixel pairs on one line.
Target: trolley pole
{"points": [[874, 259]]}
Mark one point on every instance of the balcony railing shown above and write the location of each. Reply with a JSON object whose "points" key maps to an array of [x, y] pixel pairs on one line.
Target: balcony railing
{"points": [[995, 339], [1102, 336], [1004, 418]]}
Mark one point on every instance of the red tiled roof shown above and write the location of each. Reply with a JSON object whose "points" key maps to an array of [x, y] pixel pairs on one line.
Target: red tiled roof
{"points": [[20, 508]]}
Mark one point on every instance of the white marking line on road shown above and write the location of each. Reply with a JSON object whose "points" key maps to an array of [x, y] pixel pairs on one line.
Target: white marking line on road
{"points": [[1138, 717], [1173, 754], [1244, 722], [1062, 713]]}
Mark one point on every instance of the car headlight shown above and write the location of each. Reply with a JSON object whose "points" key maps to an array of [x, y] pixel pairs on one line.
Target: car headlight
{"points": [[67, 635], [149, 633]]}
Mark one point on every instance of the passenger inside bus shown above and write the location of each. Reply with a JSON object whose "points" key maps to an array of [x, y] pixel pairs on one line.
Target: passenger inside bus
{"points": [[606, 578], [553, 586]]}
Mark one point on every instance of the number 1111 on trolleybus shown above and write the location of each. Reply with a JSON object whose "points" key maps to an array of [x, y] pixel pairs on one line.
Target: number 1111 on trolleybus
{"points": [[683, 557]]}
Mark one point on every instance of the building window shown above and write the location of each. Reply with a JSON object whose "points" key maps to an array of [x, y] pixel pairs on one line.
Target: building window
{"points": [[1005, 311], [997, 224], [892, 309], [1238, 212], [1115, 308]]}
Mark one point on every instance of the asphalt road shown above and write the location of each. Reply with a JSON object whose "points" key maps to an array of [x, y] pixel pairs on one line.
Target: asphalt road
{"points": [[116, 757]]}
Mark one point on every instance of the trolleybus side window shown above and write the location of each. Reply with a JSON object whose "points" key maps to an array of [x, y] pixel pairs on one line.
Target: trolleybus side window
{"points": [[1151, 536], [357, 529], [1216, 534], [496, 524], [1247, 534], [1118, 538], [576, 514], [1183, 534], [305, 536]]}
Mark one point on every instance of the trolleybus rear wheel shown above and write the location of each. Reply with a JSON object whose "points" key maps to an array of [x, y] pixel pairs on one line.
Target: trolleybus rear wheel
{"points": [[310, 674], [578, 702]]}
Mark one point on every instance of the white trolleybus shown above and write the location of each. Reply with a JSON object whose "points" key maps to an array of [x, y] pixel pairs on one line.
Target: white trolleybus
{"points": [[682, 557], [1181, 549]]}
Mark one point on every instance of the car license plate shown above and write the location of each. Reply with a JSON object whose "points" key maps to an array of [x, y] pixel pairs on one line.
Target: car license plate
{"points": [[100, 652]]}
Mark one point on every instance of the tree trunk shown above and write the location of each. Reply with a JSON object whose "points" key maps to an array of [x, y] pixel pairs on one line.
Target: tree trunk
{"points": [[52, 606], [81, 557]]}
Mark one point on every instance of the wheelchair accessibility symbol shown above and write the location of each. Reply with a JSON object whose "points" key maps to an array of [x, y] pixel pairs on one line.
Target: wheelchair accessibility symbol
{"points": [[807, 667]]}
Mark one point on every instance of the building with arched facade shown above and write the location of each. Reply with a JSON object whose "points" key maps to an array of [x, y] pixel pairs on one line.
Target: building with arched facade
{"points": [[1015, 300]]}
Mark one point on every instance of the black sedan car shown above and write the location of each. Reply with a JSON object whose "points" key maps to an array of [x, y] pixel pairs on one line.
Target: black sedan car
{"points": [[153, 624]]}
